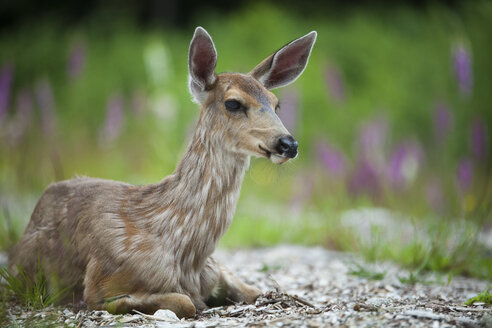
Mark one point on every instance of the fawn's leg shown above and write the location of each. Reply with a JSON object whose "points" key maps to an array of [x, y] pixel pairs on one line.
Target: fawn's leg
{"points": [[226, 287], [148, 303], [237, 290], [117, 293]]}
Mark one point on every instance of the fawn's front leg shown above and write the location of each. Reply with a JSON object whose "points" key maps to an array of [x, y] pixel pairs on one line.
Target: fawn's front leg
{"points": [[180, 304], [117, 293], [237, 291], [228, 288]]}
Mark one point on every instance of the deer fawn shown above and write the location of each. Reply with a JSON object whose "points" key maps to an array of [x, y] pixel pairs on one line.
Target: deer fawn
{"points": [[125, 247]]}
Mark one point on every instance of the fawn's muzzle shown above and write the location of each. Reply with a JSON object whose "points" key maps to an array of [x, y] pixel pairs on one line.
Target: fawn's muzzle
{"points": [[287, 146]]}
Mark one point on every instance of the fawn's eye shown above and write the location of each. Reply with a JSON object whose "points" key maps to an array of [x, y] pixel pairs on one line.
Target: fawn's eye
{"points": [[233, 105]]}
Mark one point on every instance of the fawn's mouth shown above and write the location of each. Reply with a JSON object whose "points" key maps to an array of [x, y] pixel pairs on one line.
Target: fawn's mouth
{"points": [[267, 153], [275, 158]]}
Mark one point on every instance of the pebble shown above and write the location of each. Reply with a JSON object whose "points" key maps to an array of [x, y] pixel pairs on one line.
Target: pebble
{"points": [[166, 315]]}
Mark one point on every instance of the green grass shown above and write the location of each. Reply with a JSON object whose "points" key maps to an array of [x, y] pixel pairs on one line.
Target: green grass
{"points": [[363, 272], [417, 276], [30, 293], [441, 249], [484, 297]]}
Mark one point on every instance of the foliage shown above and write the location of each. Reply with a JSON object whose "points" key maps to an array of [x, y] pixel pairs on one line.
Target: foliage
{"points": [[438, 249], [366, 273], [484, 297], [31, 293], [392, 111]]}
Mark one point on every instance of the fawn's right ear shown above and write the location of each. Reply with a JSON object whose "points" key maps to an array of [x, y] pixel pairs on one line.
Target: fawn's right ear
{"points": [[202, 59], [285, 65]]}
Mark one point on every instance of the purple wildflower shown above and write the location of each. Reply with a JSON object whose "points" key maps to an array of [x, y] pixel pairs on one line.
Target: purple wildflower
{"points": [[46, 102], [24, 107], [76, 60], [404, 164], [435, 196], [464, 175], [114, 120], [335, 84], [372, 141], [443, 121], [331, 158], [364, 180], [5, 85], [478, 139], [289, 110], [18, 127], [462, 63]]}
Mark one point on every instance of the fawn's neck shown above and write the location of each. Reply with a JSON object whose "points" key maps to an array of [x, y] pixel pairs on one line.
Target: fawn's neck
{"points": [[202, 197]]}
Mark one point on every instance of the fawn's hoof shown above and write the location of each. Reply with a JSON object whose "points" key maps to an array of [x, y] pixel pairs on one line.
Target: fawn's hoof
{"points": [[179, 304], [251, 294]]}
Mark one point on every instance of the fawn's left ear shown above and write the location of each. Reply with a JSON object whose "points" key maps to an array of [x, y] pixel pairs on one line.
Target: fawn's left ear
{"points": [[202, 58], [285, 65]]}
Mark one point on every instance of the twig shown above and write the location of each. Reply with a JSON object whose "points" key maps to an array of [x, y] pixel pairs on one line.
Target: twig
{"points": [[276, 285], [302, 301], [465, 309]]}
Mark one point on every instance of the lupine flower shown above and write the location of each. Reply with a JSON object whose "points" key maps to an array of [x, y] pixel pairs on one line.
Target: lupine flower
{"points": [[5, 85], [335, 84], [478, 139], [462, 64], [443, 121], [372, 140], [464, 175], [46, 102], [289, 111], [331, 158], [364, 180], [18, 126], [76, 60], [114, 120], [404, 164], [435, 196]]}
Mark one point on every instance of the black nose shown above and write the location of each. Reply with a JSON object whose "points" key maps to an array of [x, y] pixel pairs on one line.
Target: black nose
{"points": [[287, 146]]}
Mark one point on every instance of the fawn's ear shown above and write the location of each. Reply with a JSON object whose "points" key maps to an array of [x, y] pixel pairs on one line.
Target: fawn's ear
{"points": [[285, 65], [202, 58]]}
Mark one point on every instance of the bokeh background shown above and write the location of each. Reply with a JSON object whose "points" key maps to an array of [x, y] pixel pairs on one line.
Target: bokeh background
{"points": [[393, 116]]}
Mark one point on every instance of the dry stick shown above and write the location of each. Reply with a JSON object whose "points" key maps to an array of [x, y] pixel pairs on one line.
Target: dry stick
{"points": [[279, 289], [465, 309], [302, 301], [276, 285]]}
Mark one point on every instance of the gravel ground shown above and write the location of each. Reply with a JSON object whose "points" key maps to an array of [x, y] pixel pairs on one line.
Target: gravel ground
{"points": [[308, 287]]}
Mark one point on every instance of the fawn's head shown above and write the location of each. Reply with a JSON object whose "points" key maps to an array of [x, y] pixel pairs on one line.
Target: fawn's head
{"points": [[238, 110]]}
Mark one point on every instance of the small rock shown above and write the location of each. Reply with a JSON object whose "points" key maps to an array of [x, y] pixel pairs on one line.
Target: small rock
{"points": [[166, 315]]}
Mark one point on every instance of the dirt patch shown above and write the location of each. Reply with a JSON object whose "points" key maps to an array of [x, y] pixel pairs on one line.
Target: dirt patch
{"points": [[310, 287]]}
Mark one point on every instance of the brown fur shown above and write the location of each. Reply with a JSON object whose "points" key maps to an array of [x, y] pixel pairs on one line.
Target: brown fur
{"points": [[124, 247]]}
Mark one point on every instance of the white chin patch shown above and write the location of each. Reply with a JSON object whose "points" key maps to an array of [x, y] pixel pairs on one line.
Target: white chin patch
{"points": [[276, 159]]}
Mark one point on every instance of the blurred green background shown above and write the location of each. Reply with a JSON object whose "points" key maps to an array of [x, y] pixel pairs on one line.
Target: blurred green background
{"points": [[392, 115]]}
